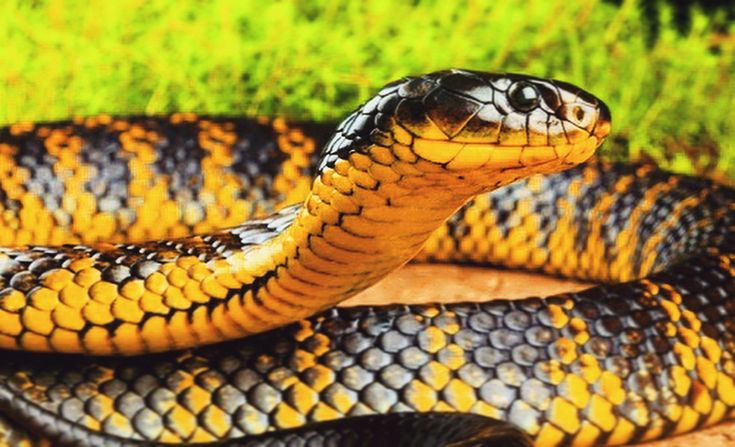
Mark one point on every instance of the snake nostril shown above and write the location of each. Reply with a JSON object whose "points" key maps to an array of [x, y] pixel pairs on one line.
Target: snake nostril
{"points": [[578, 113]]}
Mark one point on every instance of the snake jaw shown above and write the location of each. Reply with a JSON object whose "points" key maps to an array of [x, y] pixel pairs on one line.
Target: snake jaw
{"points": [[458, 133], [467, 121], [589, 361], [457, 156], [457, 120]]}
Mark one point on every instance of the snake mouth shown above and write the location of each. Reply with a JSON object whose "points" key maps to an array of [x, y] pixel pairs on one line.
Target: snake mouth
{"points": [[475, 115], [464, 155], [457, 156]]}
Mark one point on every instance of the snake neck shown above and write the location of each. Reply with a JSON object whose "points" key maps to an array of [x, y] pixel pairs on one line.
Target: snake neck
{"points": [[351, 231]]}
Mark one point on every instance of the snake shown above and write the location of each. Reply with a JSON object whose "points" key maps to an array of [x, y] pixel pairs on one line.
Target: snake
{"points": [[173, 279]]}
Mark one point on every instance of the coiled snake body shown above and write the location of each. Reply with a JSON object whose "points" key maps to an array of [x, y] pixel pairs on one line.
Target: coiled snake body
{"points": [[646, 355]]}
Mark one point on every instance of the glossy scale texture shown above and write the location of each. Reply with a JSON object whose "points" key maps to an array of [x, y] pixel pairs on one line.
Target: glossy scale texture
{"points": [[388, 177], [614, 364]]}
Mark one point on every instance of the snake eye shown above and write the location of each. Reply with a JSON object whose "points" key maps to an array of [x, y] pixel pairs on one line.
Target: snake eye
{"points": [[523, 96]]}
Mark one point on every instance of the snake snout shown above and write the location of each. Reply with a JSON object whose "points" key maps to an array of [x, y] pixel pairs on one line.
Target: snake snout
{"points": [[466, 120], [479, 123], [493, 108]]}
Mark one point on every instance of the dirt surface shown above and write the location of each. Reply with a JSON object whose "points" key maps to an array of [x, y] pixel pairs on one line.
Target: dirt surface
{"points": [[447, 283]]}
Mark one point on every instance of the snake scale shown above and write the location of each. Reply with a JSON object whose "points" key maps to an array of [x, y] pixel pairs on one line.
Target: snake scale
{"points": [[172, 279]]}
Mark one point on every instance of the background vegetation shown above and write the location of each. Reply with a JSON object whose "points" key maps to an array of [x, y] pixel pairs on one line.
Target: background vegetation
{"points": [[666, 73]]}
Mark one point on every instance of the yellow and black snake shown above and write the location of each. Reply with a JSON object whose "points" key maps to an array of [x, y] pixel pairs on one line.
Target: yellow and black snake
{"points": [[111, 339]]}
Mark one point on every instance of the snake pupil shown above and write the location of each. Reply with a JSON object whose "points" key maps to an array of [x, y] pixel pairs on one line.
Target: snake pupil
{"points": [[523, 96]]}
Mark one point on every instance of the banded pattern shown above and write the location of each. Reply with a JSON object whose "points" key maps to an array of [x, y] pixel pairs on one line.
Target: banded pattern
{"points": [[116, 180], [102, 180], [605, 222], [613, 364], [631, 360], [392, 173]]}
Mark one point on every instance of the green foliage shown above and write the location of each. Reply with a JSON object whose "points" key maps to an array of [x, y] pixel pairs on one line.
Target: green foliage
{"points": [[318, 59]]}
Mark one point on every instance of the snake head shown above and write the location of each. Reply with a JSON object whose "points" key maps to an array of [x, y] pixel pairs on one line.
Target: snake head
{"points": [[474, 124]]}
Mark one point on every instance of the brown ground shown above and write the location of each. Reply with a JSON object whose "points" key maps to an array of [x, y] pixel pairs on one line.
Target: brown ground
{"points": [[426, 283]]}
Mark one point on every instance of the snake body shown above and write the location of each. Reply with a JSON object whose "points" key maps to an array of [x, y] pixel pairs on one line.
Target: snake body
{"points": [[646, 355]]}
